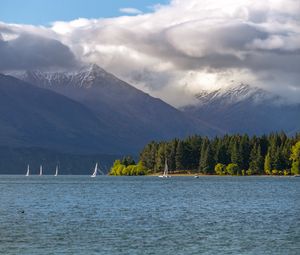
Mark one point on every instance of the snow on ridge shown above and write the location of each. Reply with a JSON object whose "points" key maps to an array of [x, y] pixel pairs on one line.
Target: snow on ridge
{"points": [[235, 94], [84, 77]]}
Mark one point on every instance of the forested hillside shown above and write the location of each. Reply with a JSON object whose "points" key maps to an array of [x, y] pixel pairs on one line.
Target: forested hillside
{"points": [[231, 154]]}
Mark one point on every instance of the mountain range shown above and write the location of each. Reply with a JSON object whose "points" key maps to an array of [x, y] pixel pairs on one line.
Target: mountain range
{"points": [[103, 113], [89, 111], [246, 109]]}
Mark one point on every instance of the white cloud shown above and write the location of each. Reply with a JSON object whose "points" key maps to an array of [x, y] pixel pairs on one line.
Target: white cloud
{"points": [[130, 11], [186, 46]]}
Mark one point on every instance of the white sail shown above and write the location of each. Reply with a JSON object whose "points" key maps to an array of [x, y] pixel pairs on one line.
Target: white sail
{"points": [[41, 170], [27, 173], [56, 171], [166, 170], [95, 171]]}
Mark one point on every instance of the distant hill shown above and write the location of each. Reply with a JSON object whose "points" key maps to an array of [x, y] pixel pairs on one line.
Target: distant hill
{"points": [[246, 109]]}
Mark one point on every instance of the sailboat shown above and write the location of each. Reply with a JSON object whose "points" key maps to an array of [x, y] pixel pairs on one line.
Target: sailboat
{"points": [[165, 175], [27, 173], [56, 171], [41, 170], [95, 171]]}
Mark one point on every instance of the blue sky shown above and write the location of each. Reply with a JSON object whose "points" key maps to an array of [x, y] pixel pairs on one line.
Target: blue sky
{"points": [[43, 12]]}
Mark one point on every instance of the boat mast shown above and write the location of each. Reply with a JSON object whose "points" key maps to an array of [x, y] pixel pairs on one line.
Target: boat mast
{"points": [[166, 168], [27, 173], [56, 171]]}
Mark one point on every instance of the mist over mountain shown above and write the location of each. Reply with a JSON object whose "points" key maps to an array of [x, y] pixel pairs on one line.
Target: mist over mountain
{"points": [[246, 109]]}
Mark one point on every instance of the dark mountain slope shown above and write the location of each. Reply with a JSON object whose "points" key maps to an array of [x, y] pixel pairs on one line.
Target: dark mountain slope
{"points": [[15, 161], [132, 115], [31, 116]]}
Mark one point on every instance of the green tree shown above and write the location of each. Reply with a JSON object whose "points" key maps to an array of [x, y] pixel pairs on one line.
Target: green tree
{"points": [[221, 154], [207, 161], [117, 168], [220, 169], [232, 169], [194, 143], [203, 154], [236, 155], [148, 156], [256, 160], [277, 159], [286, 153], [267, 164], [295, 158], [245, 152], [179, 156], [128, 160], [141, 169], [160, 158], [171, 151]]}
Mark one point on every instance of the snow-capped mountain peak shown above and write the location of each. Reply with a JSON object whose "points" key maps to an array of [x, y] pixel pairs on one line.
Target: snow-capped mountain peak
{"points": [[91, 72], [84, 77], [235, 94], [246, 109]]}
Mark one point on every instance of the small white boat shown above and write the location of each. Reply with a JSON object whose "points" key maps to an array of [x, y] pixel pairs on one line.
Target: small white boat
{"points": [[95, 171], [27, 172], [196, 176], [41, 170], [56, 171], [165, 174]]}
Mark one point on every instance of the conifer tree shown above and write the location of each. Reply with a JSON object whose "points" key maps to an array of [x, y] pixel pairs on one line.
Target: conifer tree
{"points": [[207, 161], [172, 155], [203, 154], [256, 160], [192, 152], [160, 158], [148, 155], [277, 160], [179, 156], [221, 155], [245, 152], [267, 164], [236, 156]]}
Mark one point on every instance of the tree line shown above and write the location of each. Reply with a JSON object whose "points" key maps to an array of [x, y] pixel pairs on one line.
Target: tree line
{"points": [[274, 154]]}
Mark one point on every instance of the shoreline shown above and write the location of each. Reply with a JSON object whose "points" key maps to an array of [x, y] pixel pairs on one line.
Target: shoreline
{"points": [[150, 175], [214, 175]]}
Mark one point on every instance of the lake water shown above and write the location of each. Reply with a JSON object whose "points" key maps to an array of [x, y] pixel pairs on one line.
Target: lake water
{"points": [[149, 215]]}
